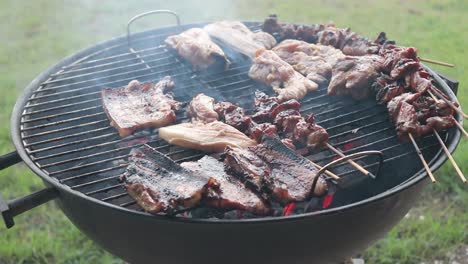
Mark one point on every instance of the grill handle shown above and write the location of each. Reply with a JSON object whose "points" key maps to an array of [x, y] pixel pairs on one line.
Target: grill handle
{"points": [[129, 40], [348, 157], [9, 159], [12, 208]]}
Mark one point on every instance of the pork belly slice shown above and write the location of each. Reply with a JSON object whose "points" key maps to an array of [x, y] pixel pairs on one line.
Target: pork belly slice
{"points": [[270, 69], [196, 46], [158, 184], [201, 108], [137, 105], [211, 137], [290, 176], [239, 37], [232, 193]]}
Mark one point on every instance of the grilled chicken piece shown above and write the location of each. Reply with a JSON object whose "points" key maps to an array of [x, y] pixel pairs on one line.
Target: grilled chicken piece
{"points": [[270, 69], [232, 193], [137, 105], [158, 184], [213, 137], [248, 166], [239, 37], [290, 177], [196, 46], [201, 108]]}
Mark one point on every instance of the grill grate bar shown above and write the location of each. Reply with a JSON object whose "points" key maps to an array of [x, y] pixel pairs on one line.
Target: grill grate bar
{"points": [[355, 129], [59, 107], [70, 120], [63, 99], [95, 182], [109, 63], [70, 143], [88, 165], [105, 189], [109, 70], [67, 136], [92, 173], [362, 136], [59, 115], [353, 121], [64, 129], [114, 197]]}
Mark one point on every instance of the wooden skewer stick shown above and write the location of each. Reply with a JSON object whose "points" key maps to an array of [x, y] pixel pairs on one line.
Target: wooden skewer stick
{"points": [[447, 152], [422, 158], [462, 129], [329, 173], [449, 103], [355, 165], [437, 62]]}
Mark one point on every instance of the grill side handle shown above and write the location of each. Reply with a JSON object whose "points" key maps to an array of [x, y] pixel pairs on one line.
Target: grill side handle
{"points": [[12, 208]]}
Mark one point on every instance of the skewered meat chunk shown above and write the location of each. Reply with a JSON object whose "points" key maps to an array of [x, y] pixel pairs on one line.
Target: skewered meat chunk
{"points": [[232, 193], [354, 76], [283, 31], [196, 46], [137, 105], [398, 60], [239, 37], [158, 184], [212, 137], [257, 131], [263, 106], [271, 70], [290, 176], [201, 108], [233, 115]]}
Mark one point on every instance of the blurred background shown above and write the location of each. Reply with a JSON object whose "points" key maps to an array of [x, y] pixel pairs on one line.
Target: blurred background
{"points": [[37, 34]]}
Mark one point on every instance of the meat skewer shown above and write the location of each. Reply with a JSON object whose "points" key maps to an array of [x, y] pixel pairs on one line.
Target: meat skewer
{"points": [[437, 62], [462, 129], [421, 157], [454, 107], [447, 152]]}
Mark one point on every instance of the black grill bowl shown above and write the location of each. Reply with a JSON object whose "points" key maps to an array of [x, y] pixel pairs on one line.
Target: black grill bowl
{"points": [[80, 169]]}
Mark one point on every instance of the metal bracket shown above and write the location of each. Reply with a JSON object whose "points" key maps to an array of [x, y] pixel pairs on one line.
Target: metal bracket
{"points": [[9, 159], [129, 40], [348, 157]]}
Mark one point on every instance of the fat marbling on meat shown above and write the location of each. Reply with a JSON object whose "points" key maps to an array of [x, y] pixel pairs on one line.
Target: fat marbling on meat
{"points": [[137, 105]]}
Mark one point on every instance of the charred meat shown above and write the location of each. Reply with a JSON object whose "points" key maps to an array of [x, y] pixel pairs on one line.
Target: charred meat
{"points": [[196, 46], [232, 193], [270, 69], [158, 184], [211, 137], [201, 108], [137, 105], [239, 37]]}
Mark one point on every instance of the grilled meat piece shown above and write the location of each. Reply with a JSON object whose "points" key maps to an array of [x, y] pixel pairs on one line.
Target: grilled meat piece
{"points": [[309, 133], [257, 131], [291, 176], [232, 193], [239, 37], [418, 81], [263, 106], [354, 76], [393, 57], [201, 108], [271, 70], [233, 115], [158, 184], [247, 166], [213, 137], [284, 31], [196, 46], [386, 89], [137, 105], [440, 123]]}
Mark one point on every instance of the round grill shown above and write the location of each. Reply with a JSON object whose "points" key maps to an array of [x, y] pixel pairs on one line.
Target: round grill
{"points": [[67, 136]]}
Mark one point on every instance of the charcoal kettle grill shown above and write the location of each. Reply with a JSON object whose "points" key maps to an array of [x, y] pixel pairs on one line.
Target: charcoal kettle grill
{"points": [[61, 133]]}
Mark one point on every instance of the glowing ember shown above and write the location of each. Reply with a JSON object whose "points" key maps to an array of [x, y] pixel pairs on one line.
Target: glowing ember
{"points": [[288, 209]]}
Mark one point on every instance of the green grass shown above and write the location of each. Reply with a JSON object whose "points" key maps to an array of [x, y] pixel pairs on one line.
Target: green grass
{"points": [[36, 34]]}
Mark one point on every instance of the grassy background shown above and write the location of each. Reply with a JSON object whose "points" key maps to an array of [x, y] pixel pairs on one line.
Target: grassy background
{"points": [[37, 34]]}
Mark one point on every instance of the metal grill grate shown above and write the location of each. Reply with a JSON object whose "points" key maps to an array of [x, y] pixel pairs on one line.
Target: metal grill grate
{"points": [[67, 134]]}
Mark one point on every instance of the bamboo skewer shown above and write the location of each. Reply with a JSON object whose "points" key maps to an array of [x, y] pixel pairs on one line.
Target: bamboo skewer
{"points": [[447, 152], [449, 103], [437, 62], [355, 165], [428, 170], [462, 129], [329, 173]]}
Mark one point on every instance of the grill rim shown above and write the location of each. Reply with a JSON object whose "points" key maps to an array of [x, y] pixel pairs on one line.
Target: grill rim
{"points": [[15, 132]]}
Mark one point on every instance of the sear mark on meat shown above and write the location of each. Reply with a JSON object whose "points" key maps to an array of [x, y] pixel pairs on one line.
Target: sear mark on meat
{"points": [[137, 105], [239, 37], [211, 137], [158, 184], [232, 193], [270, 69], [201, 108], [291, 176], [196, 46]]}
